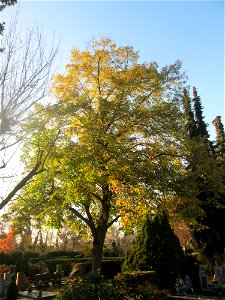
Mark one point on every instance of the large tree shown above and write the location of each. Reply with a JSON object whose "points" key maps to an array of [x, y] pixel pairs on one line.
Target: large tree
{"points": [[118, 140]]}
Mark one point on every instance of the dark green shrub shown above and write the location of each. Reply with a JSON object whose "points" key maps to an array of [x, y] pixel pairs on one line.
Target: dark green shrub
{"points": [[110, 267], [136, 284], [22, 263], [4, 259], [11, 289], [157, 248], [91, 287], [12, 258], [192, 269]]}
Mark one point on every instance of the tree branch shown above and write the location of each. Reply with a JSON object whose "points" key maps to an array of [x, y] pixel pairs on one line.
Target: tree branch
{"points": [[22, 183], [113, 221], [80, 216]]}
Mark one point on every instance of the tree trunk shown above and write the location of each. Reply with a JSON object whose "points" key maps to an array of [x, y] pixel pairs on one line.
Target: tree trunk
{"points": [[97, 250], [35, 241]]}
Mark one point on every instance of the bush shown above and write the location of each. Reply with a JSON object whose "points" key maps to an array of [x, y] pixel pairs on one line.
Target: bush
{"points": [[110, 267], [91, 287], [157, 248], [22, 263], [11, 289], [136, 284], [4, 259]]}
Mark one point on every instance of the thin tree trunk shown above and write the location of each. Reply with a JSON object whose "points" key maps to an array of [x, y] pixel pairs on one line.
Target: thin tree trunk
{"points": [[35, 241]]}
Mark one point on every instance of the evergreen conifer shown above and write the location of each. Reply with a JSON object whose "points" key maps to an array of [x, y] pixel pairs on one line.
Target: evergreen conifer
{"points": [[210, 228], [190, 120], [220, 139], [157, 248]]}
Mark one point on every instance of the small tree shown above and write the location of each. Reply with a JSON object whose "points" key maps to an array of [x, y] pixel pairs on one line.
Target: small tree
{"points": [[8, 242], [25, 70], [157, 248]]}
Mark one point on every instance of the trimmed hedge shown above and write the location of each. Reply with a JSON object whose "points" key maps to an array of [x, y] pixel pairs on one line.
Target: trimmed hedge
{"points": [[12, 258], [66, 263], [56, 254], [110, 267]]}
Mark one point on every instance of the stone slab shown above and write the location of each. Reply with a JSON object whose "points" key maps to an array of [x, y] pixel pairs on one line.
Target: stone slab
{"points": [[35, 295]]}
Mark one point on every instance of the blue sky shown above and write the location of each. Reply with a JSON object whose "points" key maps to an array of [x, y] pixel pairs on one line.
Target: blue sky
{"points": [[162, 31]]}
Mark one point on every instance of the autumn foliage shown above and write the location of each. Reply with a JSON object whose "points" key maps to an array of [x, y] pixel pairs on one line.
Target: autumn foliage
{"points": [[8, 242]]}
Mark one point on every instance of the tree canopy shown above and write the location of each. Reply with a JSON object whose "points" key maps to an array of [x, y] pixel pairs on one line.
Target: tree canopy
{"points": [[113, 141]]}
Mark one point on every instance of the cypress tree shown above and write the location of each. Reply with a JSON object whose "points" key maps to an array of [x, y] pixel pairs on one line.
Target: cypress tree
{"points": [[210, 228], [198, 109], [157, 248], [189, 115], [220, 138], [201, 126]]}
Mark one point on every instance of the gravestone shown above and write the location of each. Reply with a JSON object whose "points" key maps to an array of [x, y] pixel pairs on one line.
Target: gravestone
{"points": [[203, 278], [188, 284], [2, 286], [58, 268], [22, 281], [8, 276], [218, 274]]}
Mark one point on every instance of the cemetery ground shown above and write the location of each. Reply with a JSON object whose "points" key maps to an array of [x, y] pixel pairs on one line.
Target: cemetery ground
{"points": [[52, 277]]}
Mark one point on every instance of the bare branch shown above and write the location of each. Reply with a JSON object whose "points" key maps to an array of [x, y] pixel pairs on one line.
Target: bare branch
{"points": [[26, 67], [25, 73]]}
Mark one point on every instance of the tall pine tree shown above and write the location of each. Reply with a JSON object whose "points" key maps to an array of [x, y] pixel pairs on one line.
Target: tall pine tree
{"points": [[198, 114], [220, 139], [191, 124], [210, 228]]}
